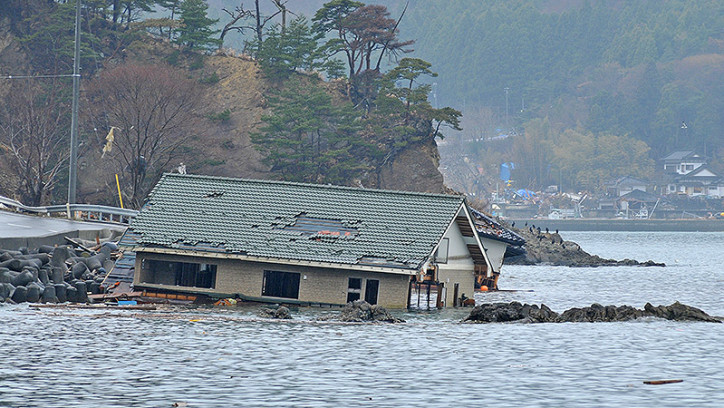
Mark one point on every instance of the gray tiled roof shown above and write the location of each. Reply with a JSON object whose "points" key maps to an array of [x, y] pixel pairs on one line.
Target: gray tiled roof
{"points": [[294, 221]]}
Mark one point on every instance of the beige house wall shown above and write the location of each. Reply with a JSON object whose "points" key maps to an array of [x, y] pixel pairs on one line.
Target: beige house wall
{"points": [[458, 269], [317, 285]]}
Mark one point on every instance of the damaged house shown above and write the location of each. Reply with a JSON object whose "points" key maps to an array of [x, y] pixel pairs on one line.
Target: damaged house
{"points": [[305, 244]]}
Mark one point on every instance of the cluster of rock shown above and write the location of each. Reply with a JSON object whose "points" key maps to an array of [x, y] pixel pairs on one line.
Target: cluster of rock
{"points": [[525, 313], [360, 311], [544, 247], [282, 312], [51, 274]]}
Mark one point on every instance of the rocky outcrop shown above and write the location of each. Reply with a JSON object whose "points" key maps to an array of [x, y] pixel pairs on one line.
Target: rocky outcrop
{"points": [[525, 313], [511, 312], [679, 311], [549, 248], [282, 312], [361, 311]]}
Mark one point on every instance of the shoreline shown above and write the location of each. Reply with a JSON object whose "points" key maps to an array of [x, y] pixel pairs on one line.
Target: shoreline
{"points": [[635, 225]]}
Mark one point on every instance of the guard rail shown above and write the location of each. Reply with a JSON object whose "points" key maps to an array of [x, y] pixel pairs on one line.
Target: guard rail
{"points": [[88, 212]]}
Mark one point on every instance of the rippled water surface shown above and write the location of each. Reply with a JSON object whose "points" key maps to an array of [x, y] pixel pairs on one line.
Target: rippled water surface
{"points": [[224, 358]]}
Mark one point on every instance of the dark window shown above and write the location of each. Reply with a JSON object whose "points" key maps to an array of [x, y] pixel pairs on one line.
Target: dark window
{"points": [[354, 289], [182, 274], [281, 284], [373, 286]]}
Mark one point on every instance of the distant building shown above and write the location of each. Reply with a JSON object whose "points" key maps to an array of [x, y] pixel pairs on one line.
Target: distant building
{"points": [[682, 162], [299, 243], [700, 182], [625, 185], [686, 172]]}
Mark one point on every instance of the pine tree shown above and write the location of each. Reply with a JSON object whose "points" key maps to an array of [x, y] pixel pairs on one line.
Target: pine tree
{"points": [[197, 29]]}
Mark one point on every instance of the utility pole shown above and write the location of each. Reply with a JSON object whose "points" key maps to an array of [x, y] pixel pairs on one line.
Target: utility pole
{"points": [[73, 165], [507, 122]]}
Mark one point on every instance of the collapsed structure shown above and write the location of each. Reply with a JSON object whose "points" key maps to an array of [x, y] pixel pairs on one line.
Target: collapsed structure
{"points": [[297, 243]]}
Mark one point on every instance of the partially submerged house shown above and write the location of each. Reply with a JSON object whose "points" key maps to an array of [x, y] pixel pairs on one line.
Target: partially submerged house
{"points": [[299, 243]]}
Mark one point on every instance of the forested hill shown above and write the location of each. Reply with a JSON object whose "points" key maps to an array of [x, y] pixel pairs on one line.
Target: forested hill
{"points": [[633, 69]]}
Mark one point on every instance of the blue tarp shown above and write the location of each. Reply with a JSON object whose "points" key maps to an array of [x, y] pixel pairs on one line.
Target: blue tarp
{"points": [[505, 169], [527, 194]]}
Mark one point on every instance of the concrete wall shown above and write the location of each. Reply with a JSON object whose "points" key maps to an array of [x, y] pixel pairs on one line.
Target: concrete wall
{"points": [[315, 284]]}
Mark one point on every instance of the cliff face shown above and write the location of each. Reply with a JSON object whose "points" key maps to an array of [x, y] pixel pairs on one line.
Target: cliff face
{"points": [[223, 147]]}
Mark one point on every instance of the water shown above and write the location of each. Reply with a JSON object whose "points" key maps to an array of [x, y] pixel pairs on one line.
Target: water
{"points": [[223, 358]]}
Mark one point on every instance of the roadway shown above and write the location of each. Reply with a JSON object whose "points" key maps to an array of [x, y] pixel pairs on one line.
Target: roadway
{"points": [[28, 230]]}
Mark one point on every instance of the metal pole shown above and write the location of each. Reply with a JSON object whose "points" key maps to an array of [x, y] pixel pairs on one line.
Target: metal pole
{"points": [[73, 166], [507, 123]]}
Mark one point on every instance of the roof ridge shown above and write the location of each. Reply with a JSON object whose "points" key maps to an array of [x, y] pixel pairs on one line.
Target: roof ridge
{"points": [[296, 183]]}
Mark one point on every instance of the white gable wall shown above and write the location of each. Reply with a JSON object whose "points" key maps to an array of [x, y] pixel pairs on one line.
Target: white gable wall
{"points": [[496, 251], [458, 268]]}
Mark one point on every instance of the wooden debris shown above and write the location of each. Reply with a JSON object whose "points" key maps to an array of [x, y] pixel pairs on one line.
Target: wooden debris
{"points": [[659, 382]]}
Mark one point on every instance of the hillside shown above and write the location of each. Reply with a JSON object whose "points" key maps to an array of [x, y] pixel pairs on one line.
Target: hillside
{"points": [[636, 70], [228, 98]]}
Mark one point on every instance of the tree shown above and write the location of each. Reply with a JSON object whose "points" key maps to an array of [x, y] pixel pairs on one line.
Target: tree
{"points": [[238, 14], [307, 138], [154, 110], [402, 106], [359, 32], [589, 161], [286, 51], [51, 44], [196, 30], [34, 123]]}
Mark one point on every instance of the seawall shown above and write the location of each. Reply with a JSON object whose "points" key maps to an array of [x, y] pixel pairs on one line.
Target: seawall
{"points": [[578, 224]]}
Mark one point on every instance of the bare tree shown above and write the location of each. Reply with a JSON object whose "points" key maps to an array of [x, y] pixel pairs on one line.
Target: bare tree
{"points": [[34, 123], [154, 110], [238, 14]]}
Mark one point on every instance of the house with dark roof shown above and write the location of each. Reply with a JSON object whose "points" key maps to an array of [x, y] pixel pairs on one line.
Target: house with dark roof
{"points": [[296, 243], [625, 185], [701, 182]]}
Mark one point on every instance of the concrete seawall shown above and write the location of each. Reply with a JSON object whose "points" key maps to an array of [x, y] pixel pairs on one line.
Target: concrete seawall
{"points": [[692, 225]]}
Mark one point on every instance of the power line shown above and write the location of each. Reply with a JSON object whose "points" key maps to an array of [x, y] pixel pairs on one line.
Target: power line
{"points": [[37, 76]]}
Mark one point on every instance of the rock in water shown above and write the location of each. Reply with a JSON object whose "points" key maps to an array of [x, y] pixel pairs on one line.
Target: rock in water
{"points": [[361, 311], [598, 313], [679, 311], [282, 312], [511, 312], [516, 312]]}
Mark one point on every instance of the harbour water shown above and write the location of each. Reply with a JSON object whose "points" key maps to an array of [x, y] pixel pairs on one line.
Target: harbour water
{"points": [[227, 357]]}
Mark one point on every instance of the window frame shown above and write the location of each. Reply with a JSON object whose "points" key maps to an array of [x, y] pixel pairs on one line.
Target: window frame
{"points": [[286, 289]]}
